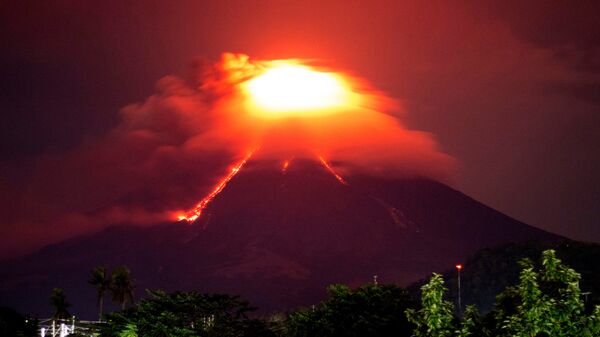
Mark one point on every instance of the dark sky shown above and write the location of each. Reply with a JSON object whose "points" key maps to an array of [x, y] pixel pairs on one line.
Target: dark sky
{"points": [[511, 89]]}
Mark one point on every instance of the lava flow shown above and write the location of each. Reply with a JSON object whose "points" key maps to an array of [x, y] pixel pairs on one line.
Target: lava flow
{"points": [[193, 214], [285, 165], [330, 169]]}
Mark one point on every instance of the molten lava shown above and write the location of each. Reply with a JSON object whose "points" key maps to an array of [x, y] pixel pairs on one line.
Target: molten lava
{"points": [[285, 165], [330, 169], [287, 88], [297, 108], [193, 214]]}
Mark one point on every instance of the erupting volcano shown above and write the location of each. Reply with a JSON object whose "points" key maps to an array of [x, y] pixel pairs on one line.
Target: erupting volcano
{"points": [[325, 186], [292, 109]]}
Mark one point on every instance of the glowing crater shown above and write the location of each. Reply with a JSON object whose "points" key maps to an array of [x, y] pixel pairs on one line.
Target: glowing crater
{"points": [[289, 89]]}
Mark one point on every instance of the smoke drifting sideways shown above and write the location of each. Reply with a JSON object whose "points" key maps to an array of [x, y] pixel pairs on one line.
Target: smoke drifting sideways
{"points": [[170, 150]]}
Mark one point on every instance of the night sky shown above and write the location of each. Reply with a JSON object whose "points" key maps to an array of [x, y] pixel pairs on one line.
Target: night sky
{"points": [[510, 89]]}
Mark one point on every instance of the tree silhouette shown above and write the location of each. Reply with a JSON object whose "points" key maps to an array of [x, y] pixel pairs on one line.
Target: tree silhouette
{"points": [[58, 300], [186, 314], [435, 317], [101, 280], [550, 302], [546, 302], [121, 286], [373, 310]]}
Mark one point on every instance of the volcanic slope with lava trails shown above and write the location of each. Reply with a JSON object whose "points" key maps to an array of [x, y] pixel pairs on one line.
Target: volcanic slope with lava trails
{"points": [[301, 228], [278, 234]]}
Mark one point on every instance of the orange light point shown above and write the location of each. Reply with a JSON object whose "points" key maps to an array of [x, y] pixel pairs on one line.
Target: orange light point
{"points": [[285, 165]]}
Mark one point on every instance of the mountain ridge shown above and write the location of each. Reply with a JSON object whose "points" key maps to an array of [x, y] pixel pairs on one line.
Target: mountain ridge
{"points": [[277, 237]]}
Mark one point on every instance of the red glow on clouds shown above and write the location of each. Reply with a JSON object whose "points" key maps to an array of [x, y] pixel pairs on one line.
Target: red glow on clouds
{"points": [[294, 108], [288, 88], [166, 152]]}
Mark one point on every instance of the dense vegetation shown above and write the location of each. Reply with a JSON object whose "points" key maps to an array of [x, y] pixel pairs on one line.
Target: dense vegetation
{"points": [[546, 301], [369, 311], [539, 297], [489, 271], [185, 314], [14, 324]]}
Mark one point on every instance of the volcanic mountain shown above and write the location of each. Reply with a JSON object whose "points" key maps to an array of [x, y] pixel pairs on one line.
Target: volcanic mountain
{"points": [[277, 236]]}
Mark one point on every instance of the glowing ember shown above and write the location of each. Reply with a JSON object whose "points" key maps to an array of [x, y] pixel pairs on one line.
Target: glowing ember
{"points": [[195, 213], [290, 89], [285, 165], [330, 169]]}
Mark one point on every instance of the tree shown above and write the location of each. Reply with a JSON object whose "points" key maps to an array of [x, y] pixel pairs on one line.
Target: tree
{"points": [[129, 331], [14, 324], [121, 286], [549, 303], [58, 300], [186, 314], [101, 280], [472, 324], [546, 302], [368, 311], [435, 317]]}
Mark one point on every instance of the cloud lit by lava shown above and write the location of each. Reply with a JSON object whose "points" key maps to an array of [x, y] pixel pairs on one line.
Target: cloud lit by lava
{"points": [[177, 146], [290, 107]]}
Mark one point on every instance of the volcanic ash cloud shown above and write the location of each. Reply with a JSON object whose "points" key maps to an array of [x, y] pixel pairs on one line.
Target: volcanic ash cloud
{"points": [[174, 147]]}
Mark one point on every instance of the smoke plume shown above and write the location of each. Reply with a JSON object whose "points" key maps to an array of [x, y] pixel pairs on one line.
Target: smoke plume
{"points": [[171, 149]]}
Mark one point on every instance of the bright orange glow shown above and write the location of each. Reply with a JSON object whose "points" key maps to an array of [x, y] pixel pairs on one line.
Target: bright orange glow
{"points": [[285, 165], [459, 266], [330, 169], [196, 212], [287, 88]]}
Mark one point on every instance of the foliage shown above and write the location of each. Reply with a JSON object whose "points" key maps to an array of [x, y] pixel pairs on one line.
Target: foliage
{"points": [[550, 303], [14, 324], [121, 286], [546, 302], [473, 324], [371, 310], [58, 301], [186, 314], [490, 271], [435, 317], [100, 279], [130, 330]]}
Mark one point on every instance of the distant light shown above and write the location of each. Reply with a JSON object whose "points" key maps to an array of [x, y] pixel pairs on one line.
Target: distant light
{"points": [[459, 266]]}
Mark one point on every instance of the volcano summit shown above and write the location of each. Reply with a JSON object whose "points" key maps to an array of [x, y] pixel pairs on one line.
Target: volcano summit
{"points": [[327, 186], [278, 234]]}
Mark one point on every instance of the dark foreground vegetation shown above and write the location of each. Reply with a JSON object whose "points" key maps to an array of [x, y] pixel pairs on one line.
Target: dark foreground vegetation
{"points": [[545, 300], [489, 271]]}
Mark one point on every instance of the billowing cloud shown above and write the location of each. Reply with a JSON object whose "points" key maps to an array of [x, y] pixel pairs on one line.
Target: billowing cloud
{"points": [[168, 151]]}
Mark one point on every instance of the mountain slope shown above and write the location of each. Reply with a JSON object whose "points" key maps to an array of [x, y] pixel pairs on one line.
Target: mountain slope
{"points": [[278, 237]]}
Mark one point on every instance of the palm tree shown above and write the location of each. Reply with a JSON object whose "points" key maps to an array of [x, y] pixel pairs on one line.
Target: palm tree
{"points": [[58, 300], [101, 280], [121, 286]]}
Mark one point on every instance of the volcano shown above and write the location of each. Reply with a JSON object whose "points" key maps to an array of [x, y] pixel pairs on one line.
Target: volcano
{"points": [[277, 234]]}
